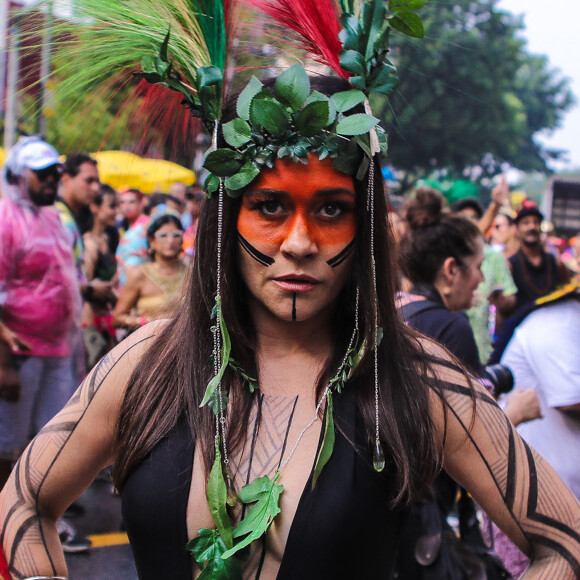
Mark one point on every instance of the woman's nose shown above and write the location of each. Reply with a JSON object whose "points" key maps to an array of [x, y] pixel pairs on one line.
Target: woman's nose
{"points": [[299, 242]]}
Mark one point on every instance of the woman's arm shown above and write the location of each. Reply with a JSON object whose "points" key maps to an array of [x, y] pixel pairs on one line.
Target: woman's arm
{"points": [[512, 483], [130, 293], [90, 256], [62, 461]]}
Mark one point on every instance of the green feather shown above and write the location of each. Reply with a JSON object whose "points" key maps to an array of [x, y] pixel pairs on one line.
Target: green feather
{"points": [[109, 39]]}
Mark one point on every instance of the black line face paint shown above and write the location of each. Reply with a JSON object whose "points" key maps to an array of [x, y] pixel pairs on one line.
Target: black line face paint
{"points": [[254, 253], [341, 256], [294, 307]]}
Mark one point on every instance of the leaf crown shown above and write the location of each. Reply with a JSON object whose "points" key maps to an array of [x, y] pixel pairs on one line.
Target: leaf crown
{"points": [[292, 121]]}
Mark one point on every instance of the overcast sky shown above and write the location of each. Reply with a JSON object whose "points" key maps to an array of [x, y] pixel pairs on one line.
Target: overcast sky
{"points": [[552, 29]]}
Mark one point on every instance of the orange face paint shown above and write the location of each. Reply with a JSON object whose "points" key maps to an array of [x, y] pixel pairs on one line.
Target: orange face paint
{"points": [[314, 200]]}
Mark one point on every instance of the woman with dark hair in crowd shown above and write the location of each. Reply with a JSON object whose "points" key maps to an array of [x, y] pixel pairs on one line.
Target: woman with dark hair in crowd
{"points": [[153, 288], [285, 408], [100, 242], [441, 256]]}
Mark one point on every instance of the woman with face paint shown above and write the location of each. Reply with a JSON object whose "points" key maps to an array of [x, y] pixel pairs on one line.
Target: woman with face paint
{"points": [[282, 421]]}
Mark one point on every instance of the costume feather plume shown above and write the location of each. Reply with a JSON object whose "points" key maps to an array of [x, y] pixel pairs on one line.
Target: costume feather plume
{"points": [[178, 44], [316, 24]]}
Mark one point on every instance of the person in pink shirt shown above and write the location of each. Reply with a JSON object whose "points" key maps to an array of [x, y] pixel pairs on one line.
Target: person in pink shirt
{"points": [[38, 294]]}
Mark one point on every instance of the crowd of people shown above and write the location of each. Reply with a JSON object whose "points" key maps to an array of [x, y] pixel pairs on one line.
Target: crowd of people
{"points": [[82, 265]]}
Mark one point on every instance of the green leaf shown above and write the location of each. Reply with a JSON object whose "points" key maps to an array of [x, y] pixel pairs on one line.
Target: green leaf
{"points": [[327, 446], [317, 97], [384, 82], [266, 493], [163, 50], [356, 124], [363, 141], [246, 96], [218, 401], [243, 178], [346, 100], [237, 132], [208, 76], [211, 184], [396, 5], [313, 118], [269, 115], [223, 162], [376, 29], [353, 62], [408, 23], [217, 495], [350, 34], [225, 355], [207, 550], [293, 87], [149, 64], [358, 82]]}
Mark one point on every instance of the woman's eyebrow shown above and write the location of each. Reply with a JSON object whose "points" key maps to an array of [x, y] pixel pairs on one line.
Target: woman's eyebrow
{"points": [[336, 191], [270, 192]]}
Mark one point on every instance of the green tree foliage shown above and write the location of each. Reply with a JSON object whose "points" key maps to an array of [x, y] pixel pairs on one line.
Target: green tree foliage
{"points": [[470, 95]]}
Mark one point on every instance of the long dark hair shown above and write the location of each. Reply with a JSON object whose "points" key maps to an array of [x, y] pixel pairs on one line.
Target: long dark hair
{"points": [[172, 379]]}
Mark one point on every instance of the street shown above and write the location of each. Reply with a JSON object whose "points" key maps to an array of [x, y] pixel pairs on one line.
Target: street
{"points": [[110, 557]]}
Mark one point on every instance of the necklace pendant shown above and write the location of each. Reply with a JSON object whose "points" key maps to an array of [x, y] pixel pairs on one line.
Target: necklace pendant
{"points": [[378, 456]]}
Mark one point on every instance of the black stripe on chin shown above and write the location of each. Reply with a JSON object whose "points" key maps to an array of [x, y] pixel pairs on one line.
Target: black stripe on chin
{"points": [[342, 256], [294, 307], [256, 254]]}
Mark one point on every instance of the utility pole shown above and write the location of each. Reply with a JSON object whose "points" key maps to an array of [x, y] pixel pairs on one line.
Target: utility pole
{"points": [[3, 53], [45, 68], [11, 84]]}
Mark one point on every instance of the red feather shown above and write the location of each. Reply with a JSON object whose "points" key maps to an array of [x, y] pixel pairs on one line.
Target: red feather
{"points": [[315, 21]]}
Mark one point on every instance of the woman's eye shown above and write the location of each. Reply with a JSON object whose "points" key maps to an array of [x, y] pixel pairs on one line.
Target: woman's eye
{"points": [[331, 209], [269, 207]]}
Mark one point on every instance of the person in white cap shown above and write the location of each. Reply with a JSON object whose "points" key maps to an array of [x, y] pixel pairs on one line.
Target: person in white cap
{"points": [[38, 295]]}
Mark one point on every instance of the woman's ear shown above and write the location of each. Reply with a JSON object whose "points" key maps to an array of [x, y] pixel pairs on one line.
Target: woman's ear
{"points": [[450, 268]]}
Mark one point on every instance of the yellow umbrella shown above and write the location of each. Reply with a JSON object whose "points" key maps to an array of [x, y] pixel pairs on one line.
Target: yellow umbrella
{"points": [[124, 169], [119, 168], [157, 175], [2, 156]]}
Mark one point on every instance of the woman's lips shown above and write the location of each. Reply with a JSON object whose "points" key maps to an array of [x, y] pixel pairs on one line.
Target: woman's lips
{"points": [[297, 283]]}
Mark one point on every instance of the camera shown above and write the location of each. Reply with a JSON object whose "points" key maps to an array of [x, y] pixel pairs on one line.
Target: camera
{"points": [[500, 377]]}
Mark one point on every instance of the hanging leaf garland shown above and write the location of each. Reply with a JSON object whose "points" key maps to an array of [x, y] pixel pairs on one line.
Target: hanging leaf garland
{"points": [[211, 394], [264, 493], [208, 549]]}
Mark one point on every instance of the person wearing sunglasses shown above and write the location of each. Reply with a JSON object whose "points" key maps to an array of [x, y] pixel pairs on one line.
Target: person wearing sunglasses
{"points": [[37, 295], [152, 288]]}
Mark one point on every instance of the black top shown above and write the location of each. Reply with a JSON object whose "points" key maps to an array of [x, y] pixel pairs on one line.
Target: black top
{"points": [[451, 329], [533, 281], [342, 529]]}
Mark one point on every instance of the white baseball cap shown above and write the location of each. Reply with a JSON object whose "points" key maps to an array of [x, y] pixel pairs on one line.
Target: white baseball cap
{"points": [[31, 153]]}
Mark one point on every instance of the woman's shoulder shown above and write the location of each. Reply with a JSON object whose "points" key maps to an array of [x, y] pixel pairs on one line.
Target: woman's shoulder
{"points": [[121, 361]]}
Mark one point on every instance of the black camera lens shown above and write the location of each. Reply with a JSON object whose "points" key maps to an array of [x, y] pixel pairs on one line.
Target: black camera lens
{"points": [[501, 378]]}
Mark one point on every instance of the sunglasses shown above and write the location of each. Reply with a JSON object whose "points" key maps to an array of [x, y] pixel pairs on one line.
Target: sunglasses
{"points": [[51, 171], [165, 236]]}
